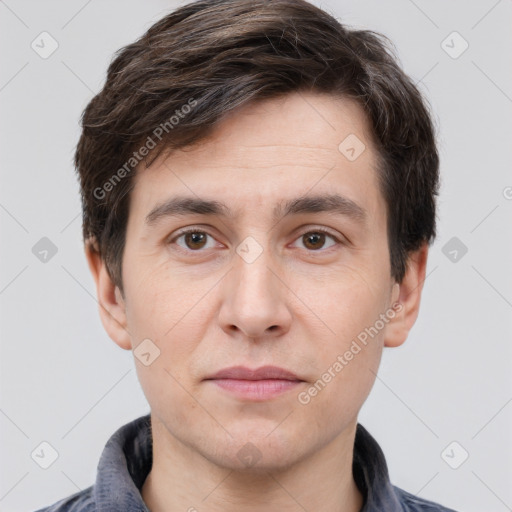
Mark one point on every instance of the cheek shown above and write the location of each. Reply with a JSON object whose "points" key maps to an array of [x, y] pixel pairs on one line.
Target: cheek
{"points": [[345, 370], [163, 307], [162, 301], [170, 395], [349, 352], [347, 303]]}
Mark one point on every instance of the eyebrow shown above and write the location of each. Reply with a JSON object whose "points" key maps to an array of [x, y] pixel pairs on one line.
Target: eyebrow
{"points": [[330, 203]]}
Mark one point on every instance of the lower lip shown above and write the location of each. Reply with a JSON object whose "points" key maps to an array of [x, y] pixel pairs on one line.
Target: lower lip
{"points": [[256, 389]]}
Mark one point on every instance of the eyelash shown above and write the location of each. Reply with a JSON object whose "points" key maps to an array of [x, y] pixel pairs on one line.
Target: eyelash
{"points": [[197, 230]]}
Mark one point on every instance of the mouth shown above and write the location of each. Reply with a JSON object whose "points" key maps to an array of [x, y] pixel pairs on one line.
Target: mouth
{"points": [[257, 385]]}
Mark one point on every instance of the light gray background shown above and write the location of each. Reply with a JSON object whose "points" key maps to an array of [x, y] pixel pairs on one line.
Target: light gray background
{"points": [[65, 382]]}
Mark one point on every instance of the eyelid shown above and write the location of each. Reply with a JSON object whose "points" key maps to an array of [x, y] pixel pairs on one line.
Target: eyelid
{"points": [[315, 229]]}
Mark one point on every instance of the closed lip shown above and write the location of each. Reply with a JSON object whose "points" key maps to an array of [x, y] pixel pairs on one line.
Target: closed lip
{"points": [[262, 373]]}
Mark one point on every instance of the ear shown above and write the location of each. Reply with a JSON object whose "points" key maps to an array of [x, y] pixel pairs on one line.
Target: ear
{"points": [[111, 303], [407, 297]]}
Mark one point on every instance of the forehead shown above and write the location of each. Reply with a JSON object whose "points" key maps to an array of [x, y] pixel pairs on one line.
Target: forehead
{"points": [[269, 153]]}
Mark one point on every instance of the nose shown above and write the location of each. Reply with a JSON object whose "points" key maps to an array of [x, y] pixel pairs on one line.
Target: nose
{"points": [[255, 298]]}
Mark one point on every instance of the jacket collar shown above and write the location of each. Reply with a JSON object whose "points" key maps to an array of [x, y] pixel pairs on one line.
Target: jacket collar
{"points": [[127, 459]]}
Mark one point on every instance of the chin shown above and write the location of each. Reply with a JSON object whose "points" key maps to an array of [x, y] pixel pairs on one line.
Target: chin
{"points": [[259, 449]]}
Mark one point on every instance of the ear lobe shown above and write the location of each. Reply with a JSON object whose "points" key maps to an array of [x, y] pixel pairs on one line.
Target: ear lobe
{"points": [[112, 307], [408, 299]]}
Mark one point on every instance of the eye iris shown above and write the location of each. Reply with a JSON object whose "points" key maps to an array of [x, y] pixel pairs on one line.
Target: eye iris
{"points": [[195, 240], [315, 238]]}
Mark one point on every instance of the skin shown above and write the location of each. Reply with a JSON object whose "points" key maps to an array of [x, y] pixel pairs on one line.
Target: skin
{"points": [[299, 305]]}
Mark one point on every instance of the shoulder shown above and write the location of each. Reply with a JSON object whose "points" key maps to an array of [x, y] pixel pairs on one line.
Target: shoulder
{"points": [[82, 501], [412, 503]]}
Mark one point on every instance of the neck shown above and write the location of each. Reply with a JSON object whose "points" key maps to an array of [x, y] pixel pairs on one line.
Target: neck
{"points": [[183, 480]]}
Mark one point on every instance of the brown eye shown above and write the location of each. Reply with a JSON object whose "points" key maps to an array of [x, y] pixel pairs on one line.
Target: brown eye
{"points": [[193, 240], [316, 240]]}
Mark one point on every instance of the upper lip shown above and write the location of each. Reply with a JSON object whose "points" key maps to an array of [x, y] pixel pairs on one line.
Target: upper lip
{"points": [[264, 372]]}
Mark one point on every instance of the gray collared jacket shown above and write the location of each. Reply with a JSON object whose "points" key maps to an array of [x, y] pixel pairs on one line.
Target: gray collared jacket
{"points": [[127, 459]]}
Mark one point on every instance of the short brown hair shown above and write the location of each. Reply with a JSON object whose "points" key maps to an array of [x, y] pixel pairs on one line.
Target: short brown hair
{"points": [[210, 57]]}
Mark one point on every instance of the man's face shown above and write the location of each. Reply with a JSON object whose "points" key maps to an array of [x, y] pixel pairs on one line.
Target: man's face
{"points": [[254, 287]]}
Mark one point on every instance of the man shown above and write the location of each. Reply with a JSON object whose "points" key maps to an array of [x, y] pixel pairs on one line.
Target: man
{"points": [[258, 187]]}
